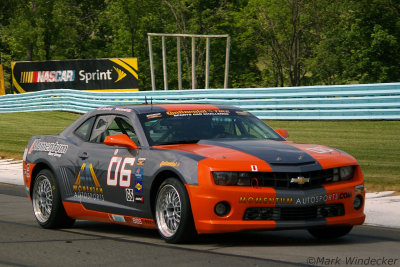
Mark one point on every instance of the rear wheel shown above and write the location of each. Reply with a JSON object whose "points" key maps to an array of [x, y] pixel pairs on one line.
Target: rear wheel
{"points": [[330, 232], [46, 202], [173, 212]]}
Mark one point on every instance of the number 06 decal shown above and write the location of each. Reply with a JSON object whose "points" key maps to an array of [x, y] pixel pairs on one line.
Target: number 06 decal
{"points": [[117, 172]]}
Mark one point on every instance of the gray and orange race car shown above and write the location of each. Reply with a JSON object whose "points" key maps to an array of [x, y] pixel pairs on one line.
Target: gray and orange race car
{"points": [[189, 169]]}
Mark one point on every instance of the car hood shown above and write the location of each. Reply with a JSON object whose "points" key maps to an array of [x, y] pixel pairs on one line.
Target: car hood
{"points": [[279, 155]]}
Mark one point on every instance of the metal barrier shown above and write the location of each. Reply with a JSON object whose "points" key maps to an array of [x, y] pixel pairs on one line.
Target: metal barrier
{"points": [[343, 102]]}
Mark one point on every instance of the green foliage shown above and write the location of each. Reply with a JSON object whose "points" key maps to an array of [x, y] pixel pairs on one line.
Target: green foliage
{"points": [[273, 42]]}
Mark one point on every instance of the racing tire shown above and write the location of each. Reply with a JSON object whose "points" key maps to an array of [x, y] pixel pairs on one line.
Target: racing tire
{"points": [[330, 232], [46, 202], [173, 213]]}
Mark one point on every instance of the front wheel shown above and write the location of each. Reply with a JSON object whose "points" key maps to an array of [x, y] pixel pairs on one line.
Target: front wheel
{"points": [[330, 232], [173, 212], [46, 202]]}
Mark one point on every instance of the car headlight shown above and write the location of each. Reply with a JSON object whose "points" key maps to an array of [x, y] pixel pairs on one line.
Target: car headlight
{"points": [[343, 173], [232, 178]]}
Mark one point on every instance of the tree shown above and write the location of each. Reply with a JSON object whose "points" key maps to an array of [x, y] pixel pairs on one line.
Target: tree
{"points": [[199, 17], [374, 42], [285, 35]]}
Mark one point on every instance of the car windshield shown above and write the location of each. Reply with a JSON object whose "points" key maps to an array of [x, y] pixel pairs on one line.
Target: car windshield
{"points": [[180, 127]]}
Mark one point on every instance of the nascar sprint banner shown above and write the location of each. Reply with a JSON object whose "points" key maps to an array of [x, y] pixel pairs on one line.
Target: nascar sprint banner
{"points": [[92, 74]]}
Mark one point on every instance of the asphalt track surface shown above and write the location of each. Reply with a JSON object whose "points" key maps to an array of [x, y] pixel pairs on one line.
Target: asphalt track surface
{"points": [[24, 243]]}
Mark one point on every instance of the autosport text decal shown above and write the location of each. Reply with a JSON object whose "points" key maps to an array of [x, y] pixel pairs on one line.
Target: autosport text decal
{"points": [[297, 201]]}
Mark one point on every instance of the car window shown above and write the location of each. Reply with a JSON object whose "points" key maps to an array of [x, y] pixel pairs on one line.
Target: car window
{"points": [[106, 125], [83, 131]]}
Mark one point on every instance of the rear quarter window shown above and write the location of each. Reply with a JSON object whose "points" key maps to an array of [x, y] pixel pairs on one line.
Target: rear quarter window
{"points": [[84, 130]]}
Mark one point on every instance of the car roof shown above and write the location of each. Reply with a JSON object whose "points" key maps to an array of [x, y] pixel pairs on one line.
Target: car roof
{"points": [[150, 108], [145, 109]]}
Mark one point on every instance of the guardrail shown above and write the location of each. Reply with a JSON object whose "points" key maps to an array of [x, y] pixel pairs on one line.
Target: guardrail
{"points": [[343, 102]]}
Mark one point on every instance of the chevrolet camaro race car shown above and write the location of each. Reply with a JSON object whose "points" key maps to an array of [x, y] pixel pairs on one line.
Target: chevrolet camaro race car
{"points": [[189, 169]]}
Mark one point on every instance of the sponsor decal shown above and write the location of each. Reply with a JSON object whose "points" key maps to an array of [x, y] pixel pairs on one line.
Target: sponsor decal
{"points": [[117, 218], [136, 220], [317, 199], [170, 164], [139, 199], [87, 185], [95, 76], [129, 219], [26, 171], [123, 109], [321, 199], [116, 109], [53, 149], [359, 188], [140, 161], [254, 168], [153, 116], [105, 108], [121, 74], [320, 149], [203, 112], [299, 180], [129, 195], [48, 76], [266, 200], [139, 173], [138, 186], [242, 113], [88, 74]]}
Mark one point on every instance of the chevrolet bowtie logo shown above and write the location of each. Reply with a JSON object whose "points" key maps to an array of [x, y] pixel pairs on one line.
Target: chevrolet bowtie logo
{"points": [[300, 180]]}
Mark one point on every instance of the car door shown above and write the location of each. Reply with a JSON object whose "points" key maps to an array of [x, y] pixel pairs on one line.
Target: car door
{"points": [[105, 179]]}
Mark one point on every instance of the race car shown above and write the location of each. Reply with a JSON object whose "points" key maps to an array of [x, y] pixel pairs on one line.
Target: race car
{"points": [[189, 169]]}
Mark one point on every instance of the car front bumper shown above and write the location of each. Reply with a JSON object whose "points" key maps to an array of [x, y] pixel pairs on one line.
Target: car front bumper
{"points": [[265, 208]]}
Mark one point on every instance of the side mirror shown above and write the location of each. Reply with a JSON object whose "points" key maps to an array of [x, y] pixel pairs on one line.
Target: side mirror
{"points": [[282, 132], [120, 140]]}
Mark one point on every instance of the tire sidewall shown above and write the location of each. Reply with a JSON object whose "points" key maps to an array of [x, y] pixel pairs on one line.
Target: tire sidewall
{"points": [[52, 221], [186, 230]]}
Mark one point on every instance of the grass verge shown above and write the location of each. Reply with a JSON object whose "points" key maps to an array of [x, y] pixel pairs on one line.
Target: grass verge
{"points": [[375, 144], [17, 128]]}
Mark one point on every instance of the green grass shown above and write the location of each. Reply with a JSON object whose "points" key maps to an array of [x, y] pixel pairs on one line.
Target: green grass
{"points": [[375, 144], [17, 128]]}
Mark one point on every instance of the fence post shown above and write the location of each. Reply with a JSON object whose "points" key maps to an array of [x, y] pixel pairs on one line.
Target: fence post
{"points": [[153, 80], [2, 90]]}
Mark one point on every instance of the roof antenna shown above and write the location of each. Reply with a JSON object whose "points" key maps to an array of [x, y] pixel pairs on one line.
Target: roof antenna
{"points": [[145, 100]]}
